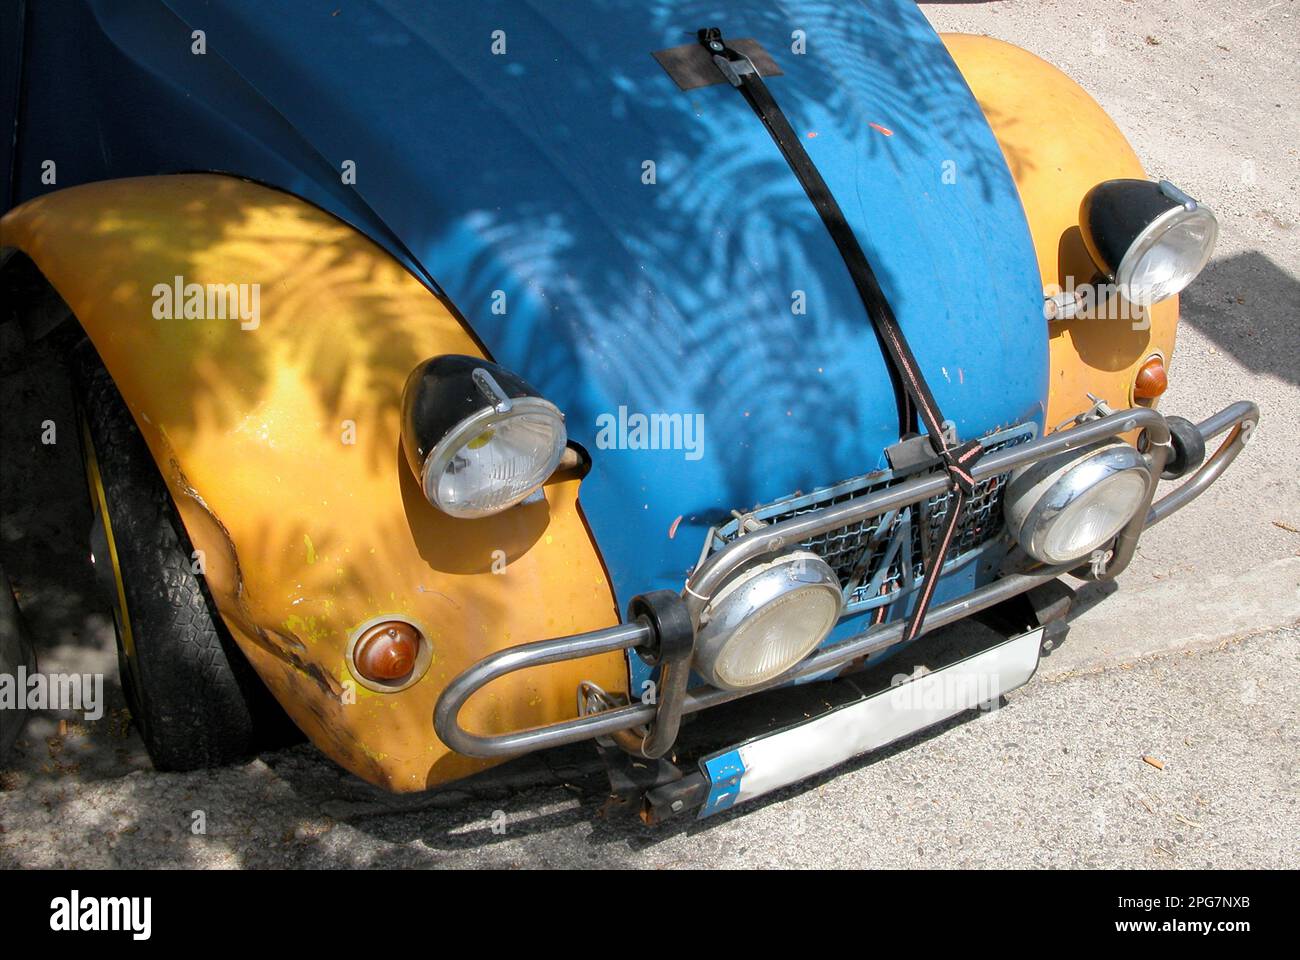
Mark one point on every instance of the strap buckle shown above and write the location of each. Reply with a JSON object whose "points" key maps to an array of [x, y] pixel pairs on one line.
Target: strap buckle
{"points": [[734, 66], [958, 461]]}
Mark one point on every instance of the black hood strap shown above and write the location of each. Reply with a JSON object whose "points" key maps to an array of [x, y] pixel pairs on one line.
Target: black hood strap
{"points": [[909, 383]]}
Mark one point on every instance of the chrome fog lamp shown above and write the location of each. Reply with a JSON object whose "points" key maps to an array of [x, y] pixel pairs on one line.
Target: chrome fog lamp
{"points": [[1150, 238], [1063, 508], [766, 619], [478, 437]]}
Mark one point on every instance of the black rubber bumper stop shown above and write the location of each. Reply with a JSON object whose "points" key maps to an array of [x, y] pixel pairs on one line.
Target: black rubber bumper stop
{"points": [[672, 633], [1188, 448]]}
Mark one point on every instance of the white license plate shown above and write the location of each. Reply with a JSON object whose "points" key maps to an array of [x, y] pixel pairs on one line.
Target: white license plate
{"points": [[759, 766]]}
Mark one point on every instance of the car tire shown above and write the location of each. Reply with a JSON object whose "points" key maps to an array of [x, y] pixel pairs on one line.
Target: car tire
{"points": [[193, 696]]}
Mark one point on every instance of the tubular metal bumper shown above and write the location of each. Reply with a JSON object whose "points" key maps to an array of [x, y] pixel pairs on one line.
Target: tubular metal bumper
{"points": [[1237, 420]]}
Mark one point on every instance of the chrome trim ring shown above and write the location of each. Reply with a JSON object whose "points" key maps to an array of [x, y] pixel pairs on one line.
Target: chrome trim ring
{"points": [[749, 593], [1053, 485], [1150, 238], [474, 425]]}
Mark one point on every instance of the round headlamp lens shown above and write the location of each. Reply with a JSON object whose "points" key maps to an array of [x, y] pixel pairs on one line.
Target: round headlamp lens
{"points": [[1063, 508], [494, 460], [1098, 514], [477, 436], [766, 619], [776, 637], [1167, 256]]}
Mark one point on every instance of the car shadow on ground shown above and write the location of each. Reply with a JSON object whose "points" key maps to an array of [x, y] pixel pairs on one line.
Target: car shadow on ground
{"points": [[560, 789], [456, 820], [1247, 305]]}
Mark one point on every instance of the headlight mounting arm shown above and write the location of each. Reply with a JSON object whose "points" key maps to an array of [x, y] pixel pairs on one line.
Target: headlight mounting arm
{"points": [[670, 647]]}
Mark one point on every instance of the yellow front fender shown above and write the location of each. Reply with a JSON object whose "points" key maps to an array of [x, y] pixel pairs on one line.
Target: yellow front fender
{"points": [[278, 436], [1059, 143]]}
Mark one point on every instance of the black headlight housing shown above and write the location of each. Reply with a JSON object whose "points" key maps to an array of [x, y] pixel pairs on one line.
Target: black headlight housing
{"points": [[479, 438], [1150, 238]]}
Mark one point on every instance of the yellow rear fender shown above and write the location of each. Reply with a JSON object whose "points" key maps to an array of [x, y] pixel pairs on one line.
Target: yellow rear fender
{"points": [[1059, 143], [261, 346]]}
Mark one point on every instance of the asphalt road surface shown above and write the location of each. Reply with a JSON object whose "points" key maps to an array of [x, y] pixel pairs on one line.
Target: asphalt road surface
{"points": [[1190, 660]]}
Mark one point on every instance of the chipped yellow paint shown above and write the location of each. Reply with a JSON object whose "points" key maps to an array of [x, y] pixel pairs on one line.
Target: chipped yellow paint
{"points": [[1059, 143], [244, 424], [309, 628]]}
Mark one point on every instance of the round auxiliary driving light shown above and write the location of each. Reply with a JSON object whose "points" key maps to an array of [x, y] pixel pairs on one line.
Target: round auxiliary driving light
{"points": [[479, 438], [766, 619], [1062, 508], [1150, 238]]}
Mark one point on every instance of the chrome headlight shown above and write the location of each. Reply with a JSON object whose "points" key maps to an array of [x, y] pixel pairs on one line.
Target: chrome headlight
{"points": [[479, 438], [766, 619], [1150, 238], [1063, 508]]}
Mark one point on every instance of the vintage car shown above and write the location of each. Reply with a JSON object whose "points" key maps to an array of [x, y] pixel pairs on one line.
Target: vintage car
{"points": [[480, 378]]}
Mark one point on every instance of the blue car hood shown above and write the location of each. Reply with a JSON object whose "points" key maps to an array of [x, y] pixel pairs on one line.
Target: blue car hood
{"points": [[630, 248]]}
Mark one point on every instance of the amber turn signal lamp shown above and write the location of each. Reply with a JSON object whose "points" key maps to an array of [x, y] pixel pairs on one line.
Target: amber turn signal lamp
{"points": [[1151, 380], [387, 651]]}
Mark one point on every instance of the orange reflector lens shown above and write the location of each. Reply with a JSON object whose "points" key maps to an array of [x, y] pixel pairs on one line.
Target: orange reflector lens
{"points": [[1151, 380], [387, 651]]}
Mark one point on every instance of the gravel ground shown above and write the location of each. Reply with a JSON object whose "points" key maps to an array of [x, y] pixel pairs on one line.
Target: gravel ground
{"points": [[1190, 659]]}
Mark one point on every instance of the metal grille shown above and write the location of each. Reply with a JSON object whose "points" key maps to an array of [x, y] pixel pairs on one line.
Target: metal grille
{"points": [[878, 557], [981, 518]]}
